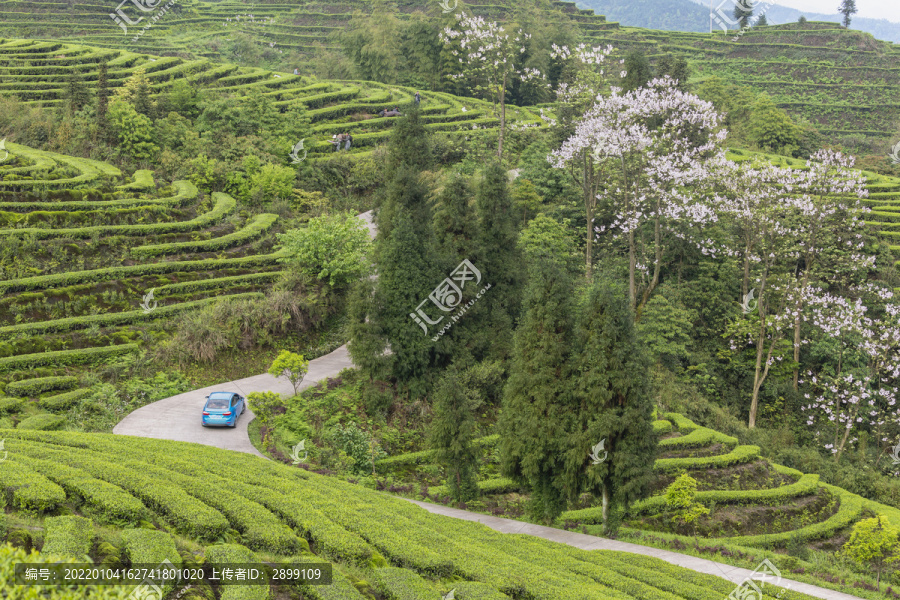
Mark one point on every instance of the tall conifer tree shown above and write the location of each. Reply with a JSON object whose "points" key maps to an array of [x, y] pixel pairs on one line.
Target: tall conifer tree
{"points": [[537, 402], [452, 433], [613, 403], [499, 260]]}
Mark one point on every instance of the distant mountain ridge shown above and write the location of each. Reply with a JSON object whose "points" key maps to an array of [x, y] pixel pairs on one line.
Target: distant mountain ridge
{"points": [[691, 15]]}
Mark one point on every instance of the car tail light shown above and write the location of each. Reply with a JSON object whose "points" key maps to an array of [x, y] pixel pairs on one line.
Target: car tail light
{"points": [[205, 413], [227, 414]]}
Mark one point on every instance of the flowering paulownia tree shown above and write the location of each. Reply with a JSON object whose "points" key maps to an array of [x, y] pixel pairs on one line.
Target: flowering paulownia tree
{"points": [[587, 83], [859, 388], [659, 146], [789, 235], [490, 55], [829, 226]]}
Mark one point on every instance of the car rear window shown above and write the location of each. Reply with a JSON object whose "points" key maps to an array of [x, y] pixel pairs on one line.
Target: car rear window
{"points": [[215, 403]]}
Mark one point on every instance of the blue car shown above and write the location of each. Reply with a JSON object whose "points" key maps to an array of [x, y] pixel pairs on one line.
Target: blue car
{"points": [[223, 408]]}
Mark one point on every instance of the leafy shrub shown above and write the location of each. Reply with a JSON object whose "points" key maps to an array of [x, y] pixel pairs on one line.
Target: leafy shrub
{"points": [[63, 401], [29, 490], [10, 556], [236, 554], [35, 387], [43, 422], [400, 584], [358, 444], [10, 405], [68, 536]]}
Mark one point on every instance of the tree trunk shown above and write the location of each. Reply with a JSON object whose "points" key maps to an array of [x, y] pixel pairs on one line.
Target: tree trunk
{"points": [[632, 264], [656, 269], [502, 117], [589, 213], [797, 334], [605, 509]]}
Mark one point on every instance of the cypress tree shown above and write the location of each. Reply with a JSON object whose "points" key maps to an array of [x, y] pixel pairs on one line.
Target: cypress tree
{"points": [[409, 143], [101, 131], [367, 341], [76, 93], [499, 260], [406, 275], [452, 432], [742, 15], [637, 69], [537, 401], [453, 222], [613, 399]]}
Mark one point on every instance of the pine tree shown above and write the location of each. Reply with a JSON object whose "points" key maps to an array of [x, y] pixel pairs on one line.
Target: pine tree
{"points": [[409, 143], [406, 275], [102, 92], [762, 21], [675, 67], [637, 69], [537, 401], [76, 93], [742, 15], [499, 261], [453, 222], [452, 431], [614, 403], [847, 8], [367, 341]]}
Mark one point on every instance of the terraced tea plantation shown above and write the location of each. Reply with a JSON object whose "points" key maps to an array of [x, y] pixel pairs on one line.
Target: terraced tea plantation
{"points": [[840, 81], [754, 504], [35, 72], [186, 498], [92, 262]]}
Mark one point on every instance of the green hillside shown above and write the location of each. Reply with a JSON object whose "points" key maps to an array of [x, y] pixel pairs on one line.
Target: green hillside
{"points": [[176, 501]]}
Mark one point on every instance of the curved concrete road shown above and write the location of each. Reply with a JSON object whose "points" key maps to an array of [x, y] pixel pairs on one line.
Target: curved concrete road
{"points": [[178, 418]]}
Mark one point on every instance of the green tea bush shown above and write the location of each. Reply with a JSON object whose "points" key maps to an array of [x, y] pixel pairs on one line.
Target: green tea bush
{"points": [[64, 401], [36, 387], [68, 536], [42, 422]]}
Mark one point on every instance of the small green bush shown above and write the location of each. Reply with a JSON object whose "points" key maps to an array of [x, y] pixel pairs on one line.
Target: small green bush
{"points": [[35, 387], [68, 536], [42, 422]]}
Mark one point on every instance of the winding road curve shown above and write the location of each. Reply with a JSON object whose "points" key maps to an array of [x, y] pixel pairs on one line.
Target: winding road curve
{"points": [[178, 418]]}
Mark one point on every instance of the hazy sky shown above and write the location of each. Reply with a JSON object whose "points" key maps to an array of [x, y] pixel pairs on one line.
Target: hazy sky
{"points": [[873, 9]]}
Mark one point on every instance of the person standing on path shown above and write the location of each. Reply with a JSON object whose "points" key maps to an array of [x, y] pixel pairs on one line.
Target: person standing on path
{"points": [[349, 139], [418, 97]]}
